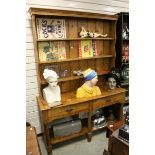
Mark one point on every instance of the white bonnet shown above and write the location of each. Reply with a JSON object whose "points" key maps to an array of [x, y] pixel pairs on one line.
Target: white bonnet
{"points": [[50, 73]]}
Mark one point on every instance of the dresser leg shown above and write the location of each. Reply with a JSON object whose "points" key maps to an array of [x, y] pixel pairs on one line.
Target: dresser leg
{"points": [[89, 136], [49, 150]]}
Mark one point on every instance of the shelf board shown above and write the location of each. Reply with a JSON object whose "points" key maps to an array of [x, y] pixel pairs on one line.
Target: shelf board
{"points": [[74, 77], [76, 59], [61, 139], [70, 39]]}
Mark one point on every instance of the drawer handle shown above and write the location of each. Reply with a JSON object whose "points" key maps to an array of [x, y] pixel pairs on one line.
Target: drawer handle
{"points": [[69, 109], [108, 100]]}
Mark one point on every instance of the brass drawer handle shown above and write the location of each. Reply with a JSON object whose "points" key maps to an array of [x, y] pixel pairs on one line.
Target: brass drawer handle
{"points": [[69, 109]]}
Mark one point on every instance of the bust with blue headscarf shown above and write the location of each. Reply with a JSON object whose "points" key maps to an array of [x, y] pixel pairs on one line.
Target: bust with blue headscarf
{"points": [[88, 89]]}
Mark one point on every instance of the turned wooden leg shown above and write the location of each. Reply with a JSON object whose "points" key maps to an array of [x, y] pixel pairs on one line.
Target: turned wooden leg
{"points": [[47, 139], [49, 150], [89, 136]]}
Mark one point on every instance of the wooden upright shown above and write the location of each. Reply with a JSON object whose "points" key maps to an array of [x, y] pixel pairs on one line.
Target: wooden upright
{"points": [[102, 63]]}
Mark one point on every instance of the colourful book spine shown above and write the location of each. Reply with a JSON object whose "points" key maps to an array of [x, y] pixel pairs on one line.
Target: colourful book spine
{"points": [[80, 52], [94, 48], [86, 49]]}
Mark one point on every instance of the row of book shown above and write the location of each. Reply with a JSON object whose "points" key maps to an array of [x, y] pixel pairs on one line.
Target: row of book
{"points": [[49, 28], [56, 50]]}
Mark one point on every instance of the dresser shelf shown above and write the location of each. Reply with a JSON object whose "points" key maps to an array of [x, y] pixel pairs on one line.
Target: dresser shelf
{"points": [[72, 39], [76, 59]]}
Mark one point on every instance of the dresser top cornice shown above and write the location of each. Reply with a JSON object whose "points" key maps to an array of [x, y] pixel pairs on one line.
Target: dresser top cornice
{"points": [[68, 13]]}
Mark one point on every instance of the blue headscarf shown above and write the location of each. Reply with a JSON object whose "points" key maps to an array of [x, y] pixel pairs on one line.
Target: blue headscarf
{"points": [[89, 74]]}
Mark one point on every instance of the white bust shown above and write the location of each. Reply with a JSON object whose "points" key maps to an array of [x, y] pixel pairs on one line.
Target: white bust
{"points": [[51, 93]]}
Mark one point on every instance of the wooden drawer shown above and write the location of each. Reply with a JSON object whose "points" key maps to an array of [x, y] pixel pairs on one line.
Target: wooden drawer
{"points": [[106, 101], [67, 110]]}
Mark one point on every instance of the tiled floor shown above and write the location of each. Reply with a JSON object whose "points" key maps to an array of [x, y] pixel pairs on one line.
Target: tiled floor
{"points": [[80, 145]]}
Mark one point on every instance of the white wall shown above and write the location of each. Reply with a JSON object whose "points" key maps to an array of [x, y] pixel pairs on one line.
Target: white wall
{"points": [[98, 6]]}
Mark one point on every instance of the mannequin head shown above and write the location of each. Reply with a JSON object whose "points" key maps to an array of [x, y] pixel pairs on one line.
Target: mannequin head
{"points": [[112, 83], [88, 89], [90, 77], [94, 81], [113, 78], [51, 77]]}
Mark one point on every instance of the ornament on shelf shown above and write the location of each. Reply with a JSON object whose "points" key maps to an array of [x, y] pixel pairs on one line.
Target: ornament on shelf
{"points": [[85, 34], [77, 72]]}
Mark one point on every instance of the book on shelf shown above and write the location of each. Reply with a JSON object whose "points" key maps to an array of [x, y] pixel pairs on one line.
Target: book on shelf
{"points": [[49, 28], [52, 50], [87, 48]]}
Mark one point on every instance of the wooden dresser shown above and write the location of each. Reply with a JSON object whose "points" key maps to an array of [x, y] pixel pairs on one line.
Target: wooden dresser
{"points": [[102, 61], [71, 106]]}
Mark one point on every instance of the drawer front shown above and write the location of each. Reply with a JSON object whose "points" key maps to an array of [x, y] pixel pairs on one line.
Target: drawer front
{"points": [[106, 101], [67, 110]]}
